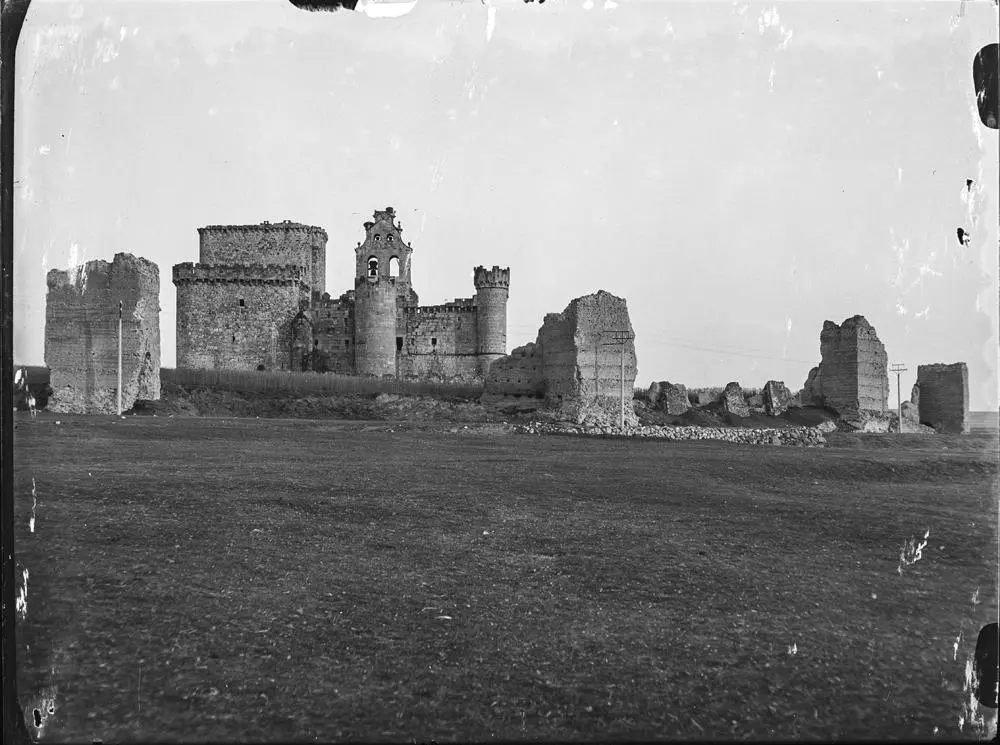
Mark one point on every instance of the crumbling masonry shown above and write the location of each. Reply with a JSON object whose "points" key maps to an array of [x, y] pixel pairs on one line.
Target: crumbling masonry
{"points": [[941, 396], [81, 335], [574, 366], [852, 377], [257, 300]]}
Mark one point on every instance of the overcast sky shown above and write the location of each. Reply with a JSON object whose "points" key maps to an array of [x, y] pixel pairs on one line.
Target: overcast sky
{"points": [[740, 172]]}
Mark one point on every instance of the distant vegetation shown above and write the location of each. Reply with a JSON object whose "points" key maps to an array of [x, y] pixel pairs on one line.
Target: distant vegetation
{"points": [[313, 384]]}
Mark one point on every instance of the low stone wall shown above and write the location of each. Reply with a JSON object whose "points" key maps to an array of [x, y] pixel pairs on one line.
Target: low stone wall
{"points": [[795, 436]]}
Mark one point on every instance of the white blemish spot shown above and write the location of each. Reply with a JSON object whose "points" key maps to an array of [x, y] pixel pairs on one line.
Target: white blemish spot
{"points": [[122, 34], [770, 78], [899, 175], [588, 5], [21, 603], [912, 552], [34, 504], [610, 5], [491, 20], [44, 150]]}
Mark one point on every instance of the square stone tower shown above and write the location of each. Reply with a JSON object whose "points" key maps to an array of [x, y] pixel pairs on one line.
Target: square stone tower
{"points": [[81, 335]]}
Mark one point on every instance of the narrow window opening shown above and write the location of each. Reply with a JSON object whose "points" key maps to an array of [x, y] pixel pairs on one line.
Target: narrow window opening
{"points": [[242, 304], [399, 343], [434, 342], [347, 343], [234, 338]]}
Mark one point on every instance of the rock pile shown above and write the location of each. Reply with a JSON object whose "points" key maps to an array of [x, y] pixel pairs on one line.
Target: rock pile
{"points": [[795, 436]]}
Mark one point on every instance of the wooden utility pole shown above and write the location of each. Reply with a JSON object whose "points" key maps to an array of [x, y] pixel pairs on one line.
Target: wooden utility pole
{"points": [[622, 337], [899, 369], [120, 306]]}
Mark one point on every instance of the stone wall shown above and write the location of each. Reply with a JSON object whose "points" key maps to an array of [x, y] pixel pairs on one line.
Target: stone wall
{"points": [[283, 243], [518, 375], [81, 335], [580, 363], [853, 372], [440, 342], [944, 397], [237, 318]]}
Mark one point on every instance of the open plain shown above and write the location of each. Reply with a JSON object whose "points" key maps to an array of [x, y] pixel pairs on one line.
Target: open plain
{"points": [[240, 579]]}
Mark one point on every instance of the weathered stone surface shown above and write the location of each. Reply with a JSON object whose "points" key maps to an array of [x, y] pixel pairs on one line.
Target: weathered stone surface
{"points": [[573, 365], [944, 397], [81, 335], [733, 401], [776, 398], [852, 375], [668, 397]]}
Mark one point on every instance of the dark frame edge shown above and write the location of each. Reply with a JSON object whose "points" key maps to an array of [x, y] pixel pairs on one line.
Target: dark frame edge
{"points": [[12, 15]]}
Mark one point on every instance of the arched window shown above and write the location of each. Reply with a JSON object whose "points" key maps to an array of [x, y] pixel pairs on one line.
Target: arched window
{"points": [[394, 266], [372, 266]]}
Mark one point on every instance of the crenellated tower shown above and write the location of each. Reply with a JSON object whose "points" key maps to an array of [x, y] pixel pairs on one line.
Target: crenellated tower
{"points": [[492, 290]]}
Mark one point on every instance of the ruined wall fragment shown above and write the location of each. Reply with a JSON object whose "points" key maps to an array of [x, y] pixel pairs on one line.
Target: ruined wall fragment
{"points": [[577, 361], [853, 372], [733, 401], [81, 334], [668, 397], [777, 398], [944, 397]]}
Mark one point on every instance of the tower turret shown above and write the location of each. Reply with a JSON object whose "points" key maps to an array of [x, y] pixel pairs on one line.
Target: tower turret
{"points": [[492, 289]]}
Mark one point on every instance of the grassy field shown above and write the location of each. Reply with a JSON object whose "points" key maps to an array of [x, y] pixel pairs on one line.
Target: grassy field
{"points": [[220, 579]]}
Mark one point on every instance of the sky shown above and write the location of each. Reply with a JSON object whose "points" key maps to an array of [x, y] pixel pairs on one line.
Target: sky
{"points": [[739, 172]]}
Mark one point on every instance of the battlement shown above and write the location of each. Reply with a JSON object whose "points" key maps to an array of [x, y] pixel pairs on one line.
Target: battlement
{"points": [[495, 277], [263, 274], [265, 226], [456, 307]]}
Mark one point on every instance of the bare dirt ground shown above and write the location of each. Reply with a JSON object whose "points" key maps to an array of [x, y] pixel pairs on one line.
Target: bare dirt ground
{"points": [[220, 579]]}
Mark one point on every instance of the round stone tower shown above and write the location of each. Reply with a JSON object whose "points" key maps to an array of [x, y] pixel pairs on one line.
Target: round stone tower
{"points": [[374, 327], [492, 288]]}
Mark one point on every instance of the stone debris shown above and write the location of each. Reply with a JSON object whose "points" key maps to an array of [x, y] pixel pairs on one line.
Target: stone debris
{"points": [[733, 401], [668, 397], [794, 436], [943, 395]]}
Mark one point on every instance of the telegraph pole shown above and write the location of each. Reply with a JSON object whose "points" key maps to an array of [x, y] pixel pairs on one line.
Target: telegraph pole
{"points": [[899, 369], [622, 337], [120, 305]]}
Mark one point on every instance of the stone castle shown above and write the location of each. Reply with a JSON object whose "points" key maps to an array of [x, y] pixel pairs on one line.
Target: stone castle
{"points": [[257, 300]]}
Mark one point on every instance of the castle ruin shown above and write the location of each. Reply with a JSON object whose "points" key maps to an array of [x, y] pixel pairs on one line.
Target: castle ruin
{"points": [[852, 376], [257, 301], [81, 335], [574, 365], [941, 395]]}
